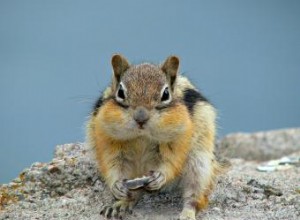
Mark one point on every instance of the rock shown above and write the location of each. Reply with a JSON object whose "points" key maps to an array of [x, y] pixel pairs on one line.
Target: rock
{"points": [[261, 145], [69, 187]]}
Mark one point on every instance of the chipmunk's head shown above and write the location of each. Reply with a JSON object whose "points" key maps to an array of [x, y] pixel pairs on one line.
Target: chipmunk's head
{"points": [[143, 94], [145, 86]]}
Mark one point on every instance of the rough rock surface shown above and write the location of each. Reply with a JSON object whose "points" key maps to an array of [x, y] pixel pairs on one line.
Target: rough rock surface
{"points": [[69, 187], [261, 145]]}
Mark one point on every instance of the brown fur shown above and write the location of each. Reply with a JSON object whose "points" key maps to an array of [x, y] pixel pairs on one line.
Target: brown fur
{"points": [[174, 144]]}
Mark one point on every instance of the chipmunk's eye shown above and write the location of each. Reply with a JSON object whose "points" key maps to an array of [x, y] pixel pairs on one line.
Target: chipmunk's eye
{"points": [[165, 95], [121, 92]]}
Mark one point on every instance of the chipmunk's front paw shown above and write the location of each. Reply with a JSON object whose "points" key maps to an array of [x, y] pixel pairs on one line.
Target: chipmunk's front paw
{"points": [[118, 210], [157, 180], [120, 191]]}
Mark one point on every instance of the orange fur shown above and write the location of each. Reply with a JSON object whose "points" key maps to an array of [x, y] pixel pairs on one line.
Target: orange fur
{"points": [[174, 117], [106, 148], [202, 203], [174, 154], [110, 113], [175, 141]]}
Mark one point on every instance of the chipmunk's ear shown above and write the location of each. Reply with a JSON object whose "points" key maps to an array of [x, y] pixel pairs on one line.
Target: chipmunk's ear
{"points": [[119, 64], [170, 67]]}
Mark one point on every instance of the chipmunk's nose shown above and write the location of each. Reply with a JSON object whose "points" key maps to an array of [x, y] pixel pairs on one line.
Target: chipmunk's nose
{"points": [[141, 116]]}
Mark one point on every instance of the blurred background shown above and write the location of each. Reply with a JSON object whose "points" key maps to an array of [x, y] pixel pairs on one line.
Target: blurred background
{"points": [[55, 61]]}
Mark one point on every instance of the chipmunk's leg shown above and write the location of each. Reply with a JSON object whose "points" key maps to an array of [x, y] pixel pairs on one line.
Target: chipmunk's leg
{"points": [[115, 169], [197, 181], [125, 200], [120, 207]]}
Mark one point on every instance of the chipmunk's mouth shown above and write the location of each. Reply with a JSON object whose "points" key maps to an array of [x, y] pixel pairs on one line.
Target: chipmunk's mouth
{"points": [[142, 130], [141, 127]]}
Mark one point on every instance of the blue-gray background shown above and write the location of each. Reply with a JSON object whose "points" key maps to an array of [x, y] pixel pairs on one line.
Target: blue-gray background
{"points": [[55, 60]]}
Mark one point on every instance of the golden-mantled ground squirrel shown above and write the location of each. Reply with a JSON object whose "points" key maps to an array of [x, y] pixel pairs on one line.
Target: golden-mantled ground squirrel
{"points": [[153, 126]]}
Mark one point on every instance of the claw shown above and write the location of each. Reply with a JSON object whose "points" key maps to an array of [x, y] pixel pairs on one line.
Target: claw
{"points": [[122, 212], [120, 191], [157, 180], [103, 209], [115, 212], [106, 211], [118, 210]]}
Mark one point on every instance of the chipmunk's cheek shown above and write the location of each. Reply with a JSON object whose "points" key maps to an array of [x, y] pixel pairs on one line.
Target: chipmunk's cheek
{"points": [[174, 118], [170, 123], [131, 124], [112, 114]]}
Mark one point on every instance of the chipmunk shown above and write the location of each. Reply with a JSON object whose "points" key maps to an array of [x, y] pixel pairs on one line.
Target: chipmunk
{"points": [[153, 122]]}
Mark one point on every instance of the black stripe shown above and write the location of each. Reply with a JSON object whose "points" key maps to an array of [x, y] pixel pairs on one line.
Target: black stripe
{"points": [[169, 105], [191, 97], [102, 100], [98, 104]]}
